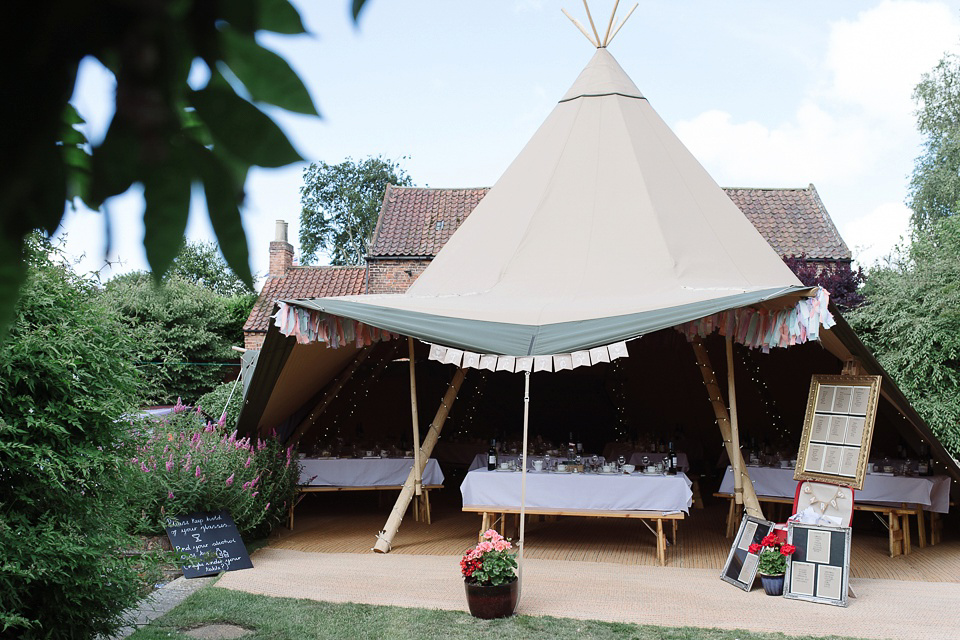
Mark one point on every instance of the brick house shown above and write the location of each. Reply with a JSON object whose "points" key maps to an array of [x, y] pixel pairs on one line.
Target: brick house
{"points": [[415, 223]]}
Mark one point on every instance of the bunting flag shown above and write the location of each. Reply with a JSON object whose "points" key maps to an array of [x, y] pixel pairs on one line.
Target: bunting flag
{"points": [[762, 329], [309, 325]]}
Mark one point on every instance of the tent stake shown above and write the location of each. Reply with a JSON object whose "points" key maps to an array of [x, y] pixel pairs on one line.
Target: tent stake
{"points": [[418, 480], [385, 537], [751, 504]]}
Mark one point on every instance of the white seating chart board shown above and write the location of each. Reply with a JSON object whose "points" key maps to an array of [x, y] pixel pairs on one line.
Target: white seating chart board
{"points": [[838, 429]]}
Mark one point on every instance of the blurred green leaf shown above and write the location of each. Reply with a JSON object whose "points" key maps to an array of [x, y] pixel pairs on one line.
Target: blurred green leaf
{"points": [[357, 8], [167, 194], [267, 76], [223, 194], [242, 128], [78, 164], [243, 15], [13, 271], [115, 163], [280, 16]]}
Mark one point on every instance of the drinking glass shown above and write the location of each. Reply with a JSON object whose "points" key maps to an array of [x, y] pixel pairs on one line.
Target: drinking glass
{"points": [[620, 462]]}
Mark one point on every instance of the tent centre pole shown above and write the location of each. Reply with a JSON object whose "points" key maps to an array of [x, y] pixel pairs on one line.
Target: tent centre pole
{"points": [[418, 478], [523, 480], [734, 429], [385, 537], [750, 502]]}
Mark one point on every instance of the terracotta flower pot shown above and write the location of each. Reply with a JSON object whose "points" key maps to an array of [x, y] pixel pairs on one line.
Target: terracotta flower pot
{"points": [[772, 585], [493, 601]]}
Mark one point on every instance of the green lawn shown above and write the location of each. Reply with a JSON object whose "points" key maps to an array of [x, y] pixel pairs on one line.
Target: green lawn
{"points": [[295, 619]]}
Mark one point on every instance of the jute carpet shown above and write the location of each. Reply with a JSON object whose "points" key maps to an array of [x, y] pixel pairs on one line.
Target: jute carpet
{"points": [[666, 596]]}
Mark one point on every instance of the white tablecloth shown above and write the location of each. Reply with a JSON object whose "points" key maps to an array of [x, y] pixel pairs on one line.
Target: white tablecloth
{"points": [[480, 460], [364, 473], [621, 492], [931, 492]]}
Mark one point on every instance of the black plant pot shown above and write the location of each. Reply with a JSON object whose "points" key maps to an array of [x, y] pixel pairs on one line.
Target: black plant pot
{"points": [[493, 601], [772, 585]]}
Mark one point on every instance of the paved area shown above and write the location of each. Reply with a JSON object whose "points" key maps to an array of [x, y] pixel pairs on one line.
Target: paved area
{"points": [[666, 596], [160, 602]]}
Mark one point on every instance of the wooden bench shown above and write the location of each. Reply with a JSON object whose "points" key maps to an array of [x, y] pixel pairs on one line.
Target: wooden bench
{"points": [[489, 518], [421, 506], [898, 521]]}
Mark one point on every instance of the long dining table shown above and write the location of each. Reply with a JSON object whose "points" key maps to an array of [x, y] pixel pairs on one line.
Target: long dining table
{"points": [[654, 497], [365, 474], [896, 497]]}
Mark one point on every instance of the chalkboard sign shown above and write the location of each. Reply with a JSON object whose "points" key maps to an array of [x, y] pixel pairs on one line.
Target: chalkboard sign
{"points": [[741, 567], [212, 539], [819, 570]]}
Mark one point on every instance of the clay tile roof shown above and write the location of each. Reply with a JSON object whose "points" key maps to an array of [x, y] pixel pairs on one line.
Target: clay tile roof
{"points": [[304, 282], [417, 221], [793, 221]]}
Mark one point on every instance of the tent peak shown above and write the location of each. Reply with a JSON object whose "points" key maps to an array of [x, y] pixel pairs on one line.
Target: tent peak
{"points": [[603, 76], [612, 28]]}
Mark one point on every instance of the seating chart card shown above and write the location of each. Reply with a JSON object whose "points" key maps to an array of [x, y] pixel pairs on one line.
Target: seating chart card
{"points": [[741, 567], [819, 569], [838, 429]]}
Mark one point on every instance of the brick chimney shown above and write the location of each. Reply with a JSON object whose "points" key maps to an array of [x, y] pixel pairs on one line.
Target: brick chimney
{"points": [[281, 252]]}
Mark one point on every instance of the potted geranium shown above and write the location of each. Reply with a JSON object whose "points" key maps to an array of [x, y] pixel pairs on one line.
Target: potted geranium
{"points": [[772, 564], [490, 577]]}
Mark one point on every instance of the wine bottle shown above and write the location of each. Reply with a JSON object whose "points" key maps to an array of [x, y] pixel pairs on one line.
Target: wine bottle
{"points": [[492, 455], [672, 456]]}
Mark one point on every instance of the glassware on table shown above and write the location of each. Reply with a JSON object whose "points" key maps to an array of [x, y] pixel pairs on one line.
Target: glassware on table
{"points": [[620, 462], [546, 462]]}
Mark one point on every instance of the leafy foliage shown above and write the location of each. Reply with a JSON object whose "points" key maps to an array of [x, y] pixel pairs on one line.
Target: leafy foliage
{"points": [[202, 264], [839, 279], [183, 333], [164, 134], [340, 205], [183, 467], [935, 184], [912, 324], [229, 395], [66, 378]]}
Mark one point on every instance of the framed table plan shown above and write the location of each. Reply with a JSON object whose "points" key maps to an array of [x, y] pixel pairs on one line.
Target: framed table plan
{"points": [[819, 569], [838, 429], [740, 569]]}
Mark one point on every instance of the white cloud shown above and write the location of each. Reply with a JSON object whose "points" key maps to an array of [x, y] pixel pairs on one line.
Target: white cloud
{"points": [[814, 146], [876, 61], [854, 131], [873, 236]]}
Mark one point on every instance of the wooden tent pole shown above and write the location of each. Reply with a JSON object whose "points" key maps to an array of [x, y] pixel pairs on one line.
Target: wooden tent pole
{"points": [[590, 18], [385, 537], [418, 480], [750, 501], [315, 413], [734, 428]]}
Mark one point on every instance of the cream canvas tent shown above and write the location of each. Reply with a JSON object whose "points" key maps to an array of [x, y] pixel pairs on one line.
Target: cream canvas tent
{"points": [[605, 228]]}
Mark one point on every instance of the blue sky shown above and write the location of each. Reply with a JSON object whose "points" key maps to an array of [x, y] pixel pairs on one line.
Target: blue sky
{"points": [[765, 94]]}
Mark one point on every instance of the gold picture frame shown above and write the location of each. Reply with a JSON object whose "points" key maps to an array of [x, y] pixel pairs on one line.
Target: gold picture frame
{"points": [[838, 429]]}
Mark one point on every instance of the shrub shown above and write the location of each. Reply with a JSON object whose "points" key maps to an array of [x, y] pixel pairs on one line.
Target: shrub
{"points": [[184, 466], [65, 378], [212, 404]]}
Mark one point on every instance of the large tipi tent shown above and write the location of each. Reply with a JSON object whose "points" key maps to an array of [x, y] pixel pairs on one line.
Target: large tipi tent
{"points": [[604, 229]]}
